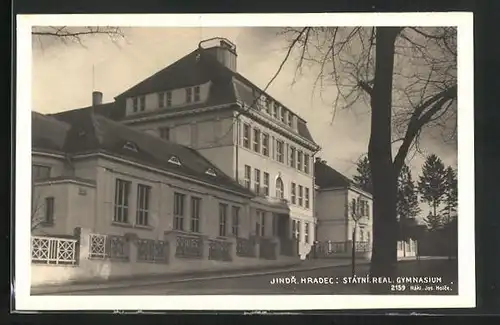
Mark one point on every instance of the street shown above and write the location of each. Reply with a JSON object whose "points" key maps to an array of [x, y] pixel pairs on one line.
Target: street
{"points": [[321, 281]]}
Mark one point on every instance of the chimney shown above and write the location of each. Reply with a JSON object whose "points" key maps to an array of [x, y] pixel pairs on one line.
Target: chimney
{"points": [[96, 98], [318, 159], [323, 162], [224, 51]]}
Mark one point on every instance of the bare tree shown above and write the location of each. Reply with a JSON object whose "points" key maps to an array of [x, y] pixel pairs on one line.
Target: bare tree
{"points": [[65, 34], [356, 215], [407, 76]]}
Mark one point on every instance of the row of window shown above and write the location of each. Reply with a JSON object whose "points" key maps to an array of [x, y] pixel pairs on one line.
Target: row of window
{"points": [[122, 203], [259, 142], [276, 111], [303, 199], [296, 230], [360, 207], [165, 99], [261, 186]]}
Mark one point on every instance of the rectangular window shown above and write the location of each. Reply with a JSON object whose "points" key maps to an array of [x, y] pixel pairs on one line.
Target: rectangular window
{"points": [[235, 218], [256, 140], [161, 100], [40, 172], [307, 198], [269, 105], [222, 219], [306, 163], [195, 214], [292, 156], [165, 133], [293, 194], [306, 232], [189, 95], [256, 174], [142, 103], [299, 160], [275, 110], [248, 176], [290, 119], [122, 193], [280, 150], [282, 114], [49, 210], [135, 104], [295, 229], [197, 93], [265, 144], [143, 197], [169, 98], [260, 225], [246, 136], [179, 202], [301, 194], [266, 184]]}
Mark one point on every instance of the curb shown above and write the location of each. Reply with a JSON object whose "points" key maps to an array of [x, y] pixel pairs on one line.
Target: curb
{"points": [[199, 278]]}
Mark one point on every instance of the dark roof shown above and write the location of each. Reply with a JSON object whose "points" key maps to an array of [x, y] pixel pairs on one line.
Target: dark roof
{"points": [[199, 67], [114, 111], [50, 132], [90, 132], [325, 176]]}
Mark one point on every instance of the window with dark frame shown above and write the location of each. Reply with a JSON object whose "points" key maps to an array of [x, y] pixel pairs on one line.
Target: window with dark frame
{"points": [[299, 160], [142, 103], [280, 150], [279, 188], [260, 224], [135, 104], [168, 94], [195, 214], [307, 198], [189, 95], [265, 144], [292, 156], [235, 222], [179, 202], [256, 140], [301, 194], [49, 210], [122, 194], [161, 100], [306, 163], [246, 136], [306, 232], [283, 114], [197, 94], [256, 174], [293, 194], [143, 198], [266, 184], [222, 219], [248, 176], [40, 172]]}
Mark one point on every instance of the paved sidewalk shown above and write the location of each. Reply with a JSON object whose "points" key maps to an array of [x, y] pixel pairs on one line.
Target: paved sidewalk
{"points": [[305, 265]]}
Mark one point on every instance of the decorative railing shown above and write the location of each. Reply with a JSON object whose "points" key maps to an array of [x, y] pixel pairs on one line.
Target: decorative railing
{"points": [[189, 246], [245, 247], [108, 246], [267, 249], [149, 250], [51, 250], [220, 250], [362, 246], [288, 247]]}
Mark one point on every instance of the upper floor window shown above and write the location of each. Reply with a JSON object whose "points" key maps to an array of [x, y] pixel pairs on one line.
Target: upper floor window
{"points": [[235, 218], [283, 114], [195, 214], [222, 219], [301, 194], [135, 104], [306, 163], [142, 103], [169, 98], [256, 140], [295, 229], [122, 194], [306, 232], [246, 136], [266, 184], [275, 110], [165, 99], [307, 203], [269, 105], [189, 95], [293, 194], [161, 100], [165, 133], [279, 188], [49, 210], [292, 156], [290, 119], [265, 144], [256, 173], [197, 93], [260, 224], [280, 150], [248, 171], [299, 160], [143, 197], [179, 204], [40, 172]]}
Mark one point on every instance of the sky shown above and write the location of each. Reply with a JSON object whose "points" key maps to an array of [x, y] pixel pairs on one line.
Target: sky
{"points": [[65, 74]]}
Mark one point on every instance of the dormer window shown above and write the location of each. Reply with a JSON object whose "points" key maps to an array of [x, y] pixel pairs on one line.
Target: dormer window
{"points": [[130, 146], [189, 95], [283, 114], [142, 103], [275, 110], [197, 94], [168, 96], [211, 172], [165, 99], [135, 104], [174, 160], [290, 119]]}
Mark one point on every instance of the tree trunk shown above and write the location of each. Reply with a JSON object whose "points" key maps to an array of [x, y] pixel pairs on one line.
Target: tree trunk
{"points": [[384, 254]]}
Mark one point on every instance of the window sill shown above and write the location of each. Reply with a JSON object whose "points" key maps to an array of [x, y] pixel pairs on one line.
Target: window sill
{"points": [[143, 227]]}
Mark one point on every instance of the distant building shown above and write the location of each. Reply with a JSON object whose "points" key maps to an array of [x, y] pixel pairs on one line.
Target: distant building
{"points": [[336, 198]]}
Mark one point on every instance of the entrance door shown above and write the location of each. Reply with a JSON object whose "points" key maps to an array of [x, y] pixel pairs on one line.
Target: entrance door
{"points": [[283, 226]]}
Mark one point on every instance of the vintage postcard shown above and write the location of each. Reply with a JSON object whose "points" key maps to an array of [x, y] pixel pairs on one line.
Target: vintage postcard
{"points": [[244, 162]]}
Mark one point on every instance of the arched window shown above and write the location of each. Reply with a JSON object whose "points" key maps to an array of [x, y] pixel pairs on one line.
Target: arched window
{"points": [[279, 188]]}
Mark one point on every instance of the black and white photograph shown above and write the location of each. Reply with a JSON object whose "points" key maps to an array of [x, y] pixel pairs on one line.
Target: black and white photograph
{"points": [[290, 160]]}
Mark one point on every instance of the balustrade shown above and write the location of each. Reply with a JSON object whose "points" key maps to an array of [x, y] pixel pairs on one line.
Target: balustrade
{"points": [[51, 250], [220, 250], [189, 246], [245, 247]]}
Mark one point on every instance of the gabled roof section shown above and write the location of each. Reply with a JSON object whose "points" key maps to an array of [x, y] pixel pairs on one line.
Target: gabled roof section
{"points": [[91, 133], [327, 177]]}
